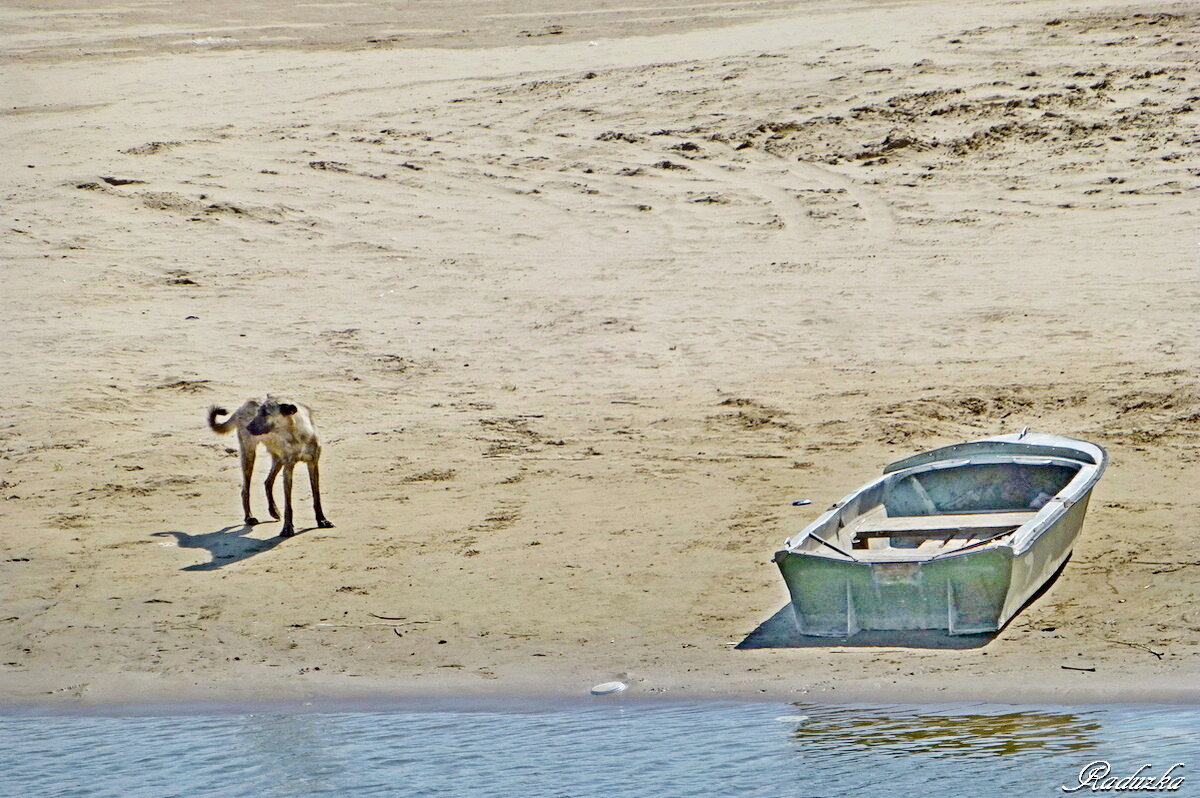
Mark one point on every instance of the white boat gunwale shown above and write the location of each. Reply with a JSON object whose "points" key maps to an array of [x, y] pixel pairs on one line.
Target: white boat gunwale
{"points": [[1089, 460]]}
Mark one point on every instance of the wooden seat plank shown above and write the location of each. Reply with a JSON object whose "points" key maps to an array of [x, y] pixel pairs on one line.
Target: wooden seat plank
{"points": [[933, 524]]}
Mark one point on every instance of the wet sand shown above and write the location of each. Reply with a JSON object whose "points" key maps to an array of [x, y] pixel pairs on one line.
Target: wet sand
{"points": [[582, 297]]}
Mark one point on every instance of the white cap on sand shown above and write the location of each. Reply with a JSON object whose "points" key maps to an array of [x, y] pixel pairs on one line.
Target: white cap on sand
{"points": [[608, 688]]}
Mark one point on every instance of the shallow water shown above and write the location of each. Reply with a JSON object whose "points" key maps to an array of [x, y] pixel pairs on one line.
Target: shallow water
{"points": [[611, 748]]}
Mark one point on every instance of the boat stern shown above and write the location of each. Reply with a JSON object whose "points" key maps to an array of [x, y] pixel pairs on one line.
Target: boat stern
{"points": [[963, 594]]}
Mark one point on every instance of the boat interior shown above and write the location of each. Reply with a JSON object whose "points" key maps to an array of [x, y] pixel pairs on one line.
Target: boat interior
{"points": [[945, 507]]}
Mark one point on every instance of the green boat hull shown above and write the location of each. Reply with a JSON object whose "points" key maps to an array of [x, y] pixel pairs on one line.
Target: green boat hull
{"points": [[973, 592]]}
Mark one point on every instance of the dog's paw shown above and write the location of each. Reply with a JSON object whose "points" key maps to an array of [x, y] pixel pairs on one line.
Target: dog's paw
{"points": [[324, 523], [287, 532], [250, 520]]}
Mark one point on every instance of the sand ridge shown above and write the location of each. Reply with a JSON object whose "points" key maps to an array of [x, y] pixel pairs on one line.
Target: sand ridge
{"points": [[579, 315]]}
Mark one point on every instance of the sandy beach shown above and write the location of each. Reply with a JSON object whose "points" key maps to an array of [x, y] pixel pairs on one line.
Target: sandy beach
{"points": [[583, 296]]}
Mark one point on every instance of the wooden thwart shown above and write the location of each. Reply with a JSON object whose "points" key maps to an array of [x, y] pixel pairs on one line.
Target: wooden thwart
{"points": [[924, 525]]}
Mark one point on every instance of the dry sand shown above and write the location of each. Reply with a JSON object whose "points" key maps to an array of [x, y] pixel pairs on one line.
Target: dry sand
{"points": [[583, 296]]}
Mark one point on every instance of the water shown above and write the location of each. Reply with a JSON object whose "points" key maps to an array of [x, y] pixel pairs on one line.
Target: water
{"points": [[610, 748]]}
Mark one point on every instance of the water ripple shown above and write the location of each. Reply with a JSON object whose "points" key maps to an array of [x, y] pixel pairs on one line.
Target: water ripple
{"points": [[609, 750]]}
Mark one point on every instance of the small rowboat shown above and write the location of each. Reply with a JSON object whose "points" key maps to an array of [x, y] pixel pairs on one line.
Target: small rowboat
{"points": [[955, 539]]}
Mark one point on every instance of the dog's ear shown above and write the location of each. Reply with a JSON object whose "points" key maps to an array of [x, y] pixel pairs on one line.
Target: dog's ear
{"points": [[287, 410]]}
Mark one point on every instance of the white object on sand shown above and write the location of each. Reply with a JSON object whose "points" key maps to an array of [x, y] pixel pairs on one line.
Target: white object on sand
{"points": [[608, 688]]}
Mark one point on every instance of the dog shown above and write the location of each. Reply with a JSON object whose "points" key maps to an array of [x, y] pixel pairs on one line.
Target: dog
{"points": [[287, 430]]}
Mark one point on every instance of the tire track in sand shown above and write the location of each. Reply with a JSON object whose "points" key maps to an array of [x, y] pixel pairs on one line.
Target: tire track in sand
{"points": [[877, 214], [769, 176]]}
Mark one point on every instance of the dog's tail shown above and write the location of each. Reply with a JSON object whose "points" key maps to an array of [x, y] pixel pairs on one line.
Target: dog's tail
{"points": [[220, 427]]}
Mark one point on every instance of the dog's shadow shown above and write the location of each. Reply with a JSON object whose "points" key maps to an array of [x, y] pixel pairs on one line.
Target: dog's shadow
{"points": [[225, 546]]}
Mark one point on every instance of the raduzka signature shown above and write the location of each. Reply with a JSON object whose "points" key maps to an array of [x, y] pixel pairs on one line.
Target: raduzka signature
{"points": [[1097, 776]]}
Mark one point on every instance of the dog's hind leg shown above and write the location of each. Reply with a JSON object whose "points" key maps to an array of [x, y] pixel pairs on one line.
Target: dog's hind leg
{"points": [[247, 457], [276, 464], [314, 479], [288, 530]]}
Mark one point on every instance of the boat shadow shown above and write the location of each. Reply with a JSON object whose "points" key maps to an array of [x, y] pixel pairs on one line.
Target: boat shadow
{"points": [[224, 546], [779, 631]]}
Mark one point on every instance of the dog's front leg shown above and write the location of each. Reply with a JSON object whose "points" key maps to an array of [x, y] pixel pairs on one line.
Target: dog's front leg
{"points": [[314, 479], [270, 485], [288, 530]]}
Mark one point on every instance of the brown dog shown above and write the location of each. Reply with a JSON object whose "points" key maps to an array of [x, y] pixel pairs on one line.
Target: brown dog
{"points": [[287, 430]]}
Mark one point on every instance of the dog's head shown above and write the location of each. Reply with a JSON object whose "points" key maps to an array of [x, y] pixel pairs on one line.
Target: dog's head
{"points": [[270, 413]]}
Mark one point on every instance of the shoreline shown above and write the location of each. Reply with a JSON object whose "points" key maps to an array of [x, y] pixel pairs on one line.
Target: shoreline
{"points": [[369, 695]]}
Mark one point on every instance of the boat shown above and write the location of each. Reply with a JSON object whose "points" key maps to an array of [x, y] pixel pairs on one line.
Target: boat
{"points": [[956, 539]]}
